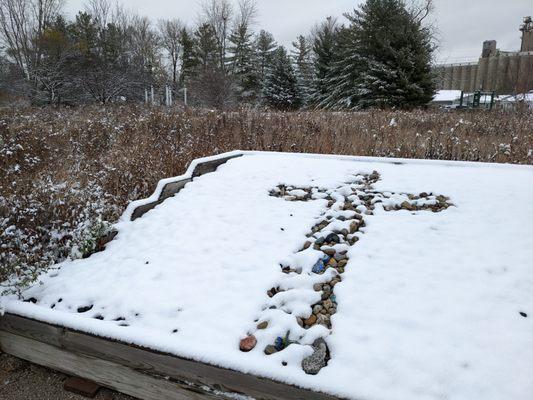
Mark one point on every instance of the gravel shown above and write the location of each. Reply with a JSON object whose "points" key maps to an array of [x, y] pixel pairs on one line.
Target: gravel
{"points": [[21, 380]]}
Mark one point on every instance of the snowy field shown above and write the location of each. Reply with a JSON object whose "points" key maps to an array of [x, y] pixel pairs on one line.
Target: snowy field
{"points": [[431, 305]]}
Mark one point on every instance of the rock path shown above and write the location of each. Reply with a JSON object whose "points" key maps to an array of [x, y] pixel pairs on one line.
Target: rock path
{"points": [[335, 232]]}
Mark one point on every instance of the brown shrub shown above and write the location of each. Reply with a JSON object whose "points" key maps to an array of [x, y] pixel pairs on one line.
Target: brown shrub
{"points": [[64, 171]]}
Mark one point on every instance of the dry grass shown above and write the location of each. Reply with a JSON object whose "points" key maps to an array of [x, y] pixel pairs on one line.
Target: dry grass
{"points": [[62, 171]]}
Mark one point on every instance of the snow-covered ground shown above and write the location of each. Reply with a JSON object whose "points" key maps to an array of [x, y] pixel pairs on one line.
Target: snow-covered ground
{"points": [[431, 305]]}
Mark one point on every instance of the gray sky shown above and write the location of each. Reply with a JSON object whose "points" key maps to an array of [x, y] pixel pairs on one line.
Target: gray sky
{"points": [[462, 24]]}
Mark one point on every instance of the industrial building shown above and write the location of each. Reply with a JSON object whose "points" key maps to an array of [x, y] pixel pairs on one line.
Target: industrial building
{"points": [[503, 72]]}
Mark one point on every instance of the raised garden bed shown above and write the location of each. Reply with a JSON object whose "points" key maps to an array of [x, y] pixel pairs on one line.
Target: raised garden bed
{"points": [[300, 277]]}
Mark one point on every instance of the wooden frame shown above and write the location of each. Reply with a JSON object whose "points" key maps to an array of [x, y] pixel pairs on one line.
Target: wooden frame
{"points": [[172, 188], [133, 370]]}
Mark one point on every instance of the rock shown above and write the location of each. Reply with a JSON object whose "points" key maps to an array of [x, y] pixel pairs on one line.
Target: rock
{"points": [[342, 263], [332, 311], [317, 287], [354, 226], [248, 343], [307, 245], [270, 349], [325, 296], [320, 241], [326, 288], [423, 194], [327, 304], [406, 205], [332, 238], [316, 361], [262, 325], [311, 320], [319, 267], [330, 252], [340, 257], [300, 322], [317, 309], [84, 308]]}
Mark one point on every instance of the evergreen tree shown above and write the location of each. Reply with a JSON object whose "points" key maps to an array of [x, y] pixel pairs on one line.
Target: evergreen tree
{"points": [[340, 82], [189, 60], [385, 59], [206, 48], [242, 64], [265, 46], [303, 59], [281, 89], [324, 47]]}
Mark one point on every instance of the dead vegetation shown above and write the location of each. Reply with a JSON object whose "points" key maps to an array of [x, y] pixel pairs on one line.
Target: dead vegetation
{"points": [[66, 173]]}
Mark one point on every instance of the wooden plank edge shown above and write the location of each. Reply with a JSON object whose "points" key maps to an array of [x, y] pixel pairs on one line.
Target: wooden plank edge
{"points": [[170, 189], [149, 361], [105, 373]]}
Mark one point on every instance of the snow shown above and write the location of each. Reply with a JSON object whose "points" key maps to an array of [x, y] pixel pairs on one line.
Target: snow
{"points": [[428, 308], [447, 95]]}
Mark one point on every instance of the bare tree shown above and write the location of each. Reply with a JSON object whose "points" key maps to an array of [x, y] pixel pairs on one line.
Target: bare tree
{"points": [[145, 44], [218, 14], [421, 9], [22, 23], [170, 32], [100, 10], [246, 15]]}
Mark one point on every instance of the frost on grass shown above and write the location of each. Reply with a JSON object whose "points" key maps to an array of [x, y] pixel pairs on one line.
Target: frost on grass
{"points": [[64, 170]]}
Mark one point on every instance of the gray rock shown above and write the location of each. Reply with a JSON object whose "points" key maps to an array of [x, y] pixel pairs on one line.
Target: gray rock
{"points": [[316, 361], [270, 349]]}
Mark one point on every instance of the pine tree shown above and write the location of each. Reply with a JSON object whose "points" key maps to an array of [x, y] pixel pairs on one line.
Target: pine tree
{"points": [[265, 45], [242, 64], [340, 90], [385, 59], [206, 48], [281, 89], [324, 47], [189, 60], [303, 59]]}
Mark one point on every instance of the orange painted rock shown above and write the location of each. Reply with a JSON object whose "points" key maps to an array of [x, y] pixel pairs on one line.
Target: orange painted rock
{"points": [[248, 343]]}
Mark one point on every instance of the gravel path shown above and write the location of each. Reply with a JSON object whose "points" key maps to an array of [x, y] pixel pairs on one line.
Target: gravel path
{"points": [[21, 380]]}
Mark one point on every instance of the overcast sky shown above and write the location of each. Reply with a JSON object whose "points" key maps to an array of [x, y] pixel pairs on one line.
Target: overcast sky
{"points": [[462, 24]]}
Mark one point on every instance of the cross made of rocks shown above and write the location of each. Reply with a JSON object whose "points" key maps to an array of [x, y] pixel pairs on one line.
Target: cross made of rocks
{"points": [[333, 235]]}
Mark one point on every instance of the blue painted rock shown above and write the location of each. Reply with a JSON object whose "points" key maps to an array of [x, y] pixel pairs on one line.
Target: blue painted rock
{"points": [[319, 267]]}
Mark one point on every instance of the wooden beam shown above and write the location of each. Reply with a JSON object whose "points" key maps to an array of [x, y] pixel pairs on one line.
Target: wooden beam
{"points": [[172, 188], [152, 363], [108, 374]]}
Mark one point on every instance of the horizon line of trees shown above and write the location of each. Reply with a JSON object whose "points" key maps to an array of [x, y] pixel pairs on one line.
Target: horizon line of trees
{"points": [[381, 57]]}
